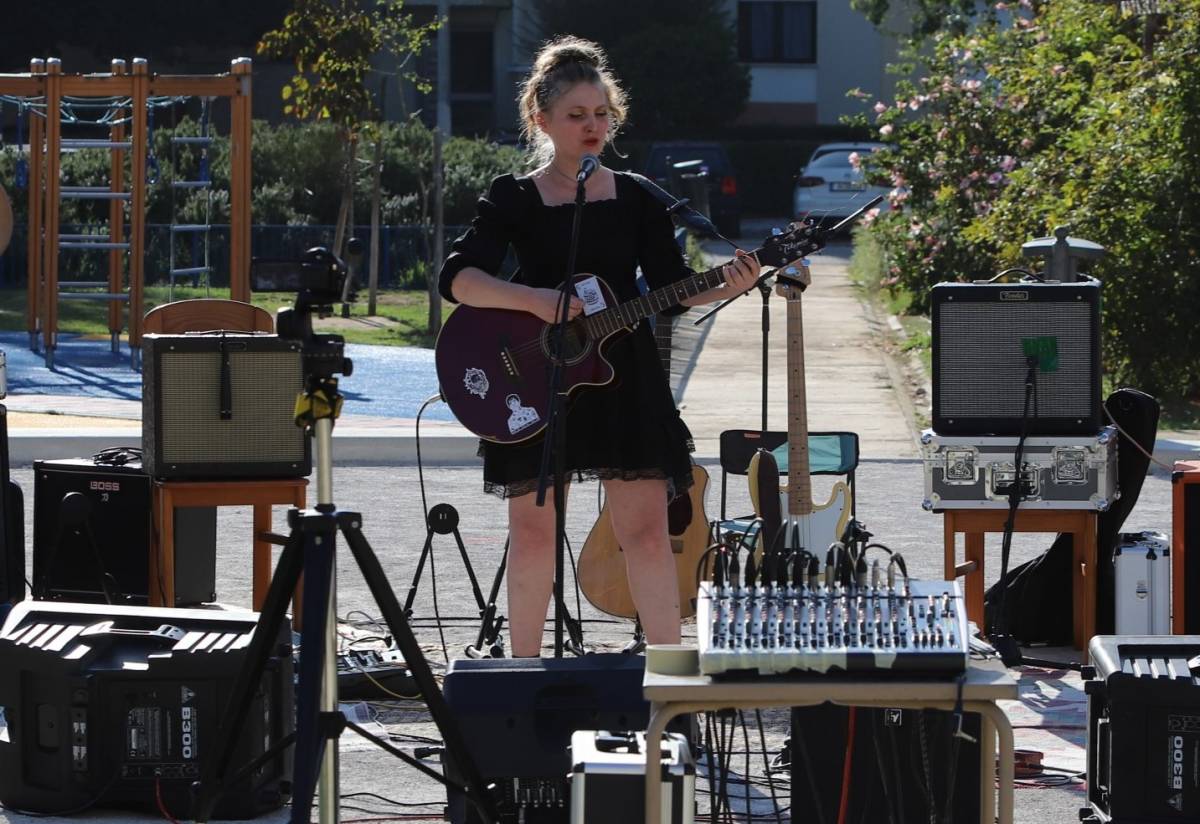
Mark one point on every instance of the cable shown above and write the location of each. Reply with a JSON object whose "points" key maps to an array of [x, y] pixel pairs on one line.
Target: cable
{"points": [[847, 766], [762, 740], [1133, 440], [162, 808]]}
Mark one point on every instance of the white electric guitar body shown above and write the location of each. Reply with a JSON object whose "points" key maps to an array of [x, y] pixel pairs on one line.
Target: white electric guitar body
{"points": [[804, 525]]}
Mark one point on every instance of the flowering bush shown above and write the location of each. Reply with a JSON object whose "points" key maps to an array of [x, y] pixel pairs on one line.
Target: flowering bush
{"points": [[1050, 113]]}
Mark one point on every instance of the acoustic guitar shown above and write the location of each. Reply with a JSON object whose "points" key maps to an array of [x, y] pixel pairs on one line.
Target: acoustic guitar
{"points": [[602, 576], [493, 365], [805, 526]]}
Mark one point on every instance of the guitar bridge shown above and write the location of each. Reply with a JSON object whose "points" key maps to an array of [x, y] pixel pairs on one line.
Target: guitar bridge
{"points": [[510, 364]]}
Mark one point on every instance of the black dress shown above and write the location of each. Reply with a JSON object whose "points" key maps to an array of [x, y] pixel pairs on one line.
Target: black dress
{"points": [[629, 429]]}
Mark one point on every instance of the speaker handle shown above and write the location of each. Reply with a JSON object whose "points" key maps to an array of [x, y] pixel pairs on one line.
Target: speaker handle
{"points": [[165, 632]]}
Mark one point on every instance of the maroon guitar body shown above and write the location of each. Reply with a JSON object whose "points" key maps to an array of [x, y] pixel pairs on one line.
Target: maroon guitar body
{"points": [[494, 365]]}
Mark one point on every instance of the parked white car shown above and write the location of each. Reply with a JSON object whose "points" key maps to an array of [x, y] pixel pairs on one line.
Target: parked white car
{"points": [[830, 187]]}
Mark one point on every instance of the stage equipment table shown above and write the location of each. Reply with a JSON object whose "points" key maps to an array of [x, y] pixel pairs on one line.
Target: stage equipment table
{"points": [[259, 494], [974, 523], [987, 682]]}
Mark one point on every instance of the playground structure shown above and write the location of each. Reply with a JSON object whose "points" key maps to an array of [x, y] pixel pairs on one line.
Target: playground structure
{"points": [[126, 100]]}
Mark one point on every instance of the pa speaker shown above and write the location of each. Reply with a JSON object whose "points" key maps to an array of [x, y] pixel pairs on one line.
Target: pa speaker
{"points": [[222, 406], [986, 337]]}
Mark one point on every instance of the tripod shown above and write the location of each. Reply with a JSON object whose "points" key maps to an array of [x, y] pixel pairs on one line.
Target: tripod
{"points": [[310, 550]]}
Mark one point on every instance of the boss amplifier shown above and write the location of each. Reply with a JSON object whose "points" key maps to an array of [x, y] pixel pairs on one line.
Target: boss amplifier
{"points": [[91, 534], [117, 705], [1143, 733], [985, 336], [222, 406]]}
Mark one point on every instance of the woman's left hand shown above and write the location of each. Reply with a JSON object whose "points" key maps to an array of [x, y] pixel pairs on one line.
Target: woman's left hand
{"points": [[741, 274]]}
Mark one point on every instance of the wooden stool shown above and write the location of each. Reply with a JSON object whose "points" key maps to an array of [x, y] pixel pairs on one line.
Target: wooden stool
{"points": [[260, 494], [974, 523]]}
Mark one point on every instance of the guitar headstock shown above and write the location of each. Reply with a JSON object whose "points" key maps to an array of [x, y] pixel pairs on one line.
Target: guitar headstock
{"points": [[792, 280], [783, 247]]}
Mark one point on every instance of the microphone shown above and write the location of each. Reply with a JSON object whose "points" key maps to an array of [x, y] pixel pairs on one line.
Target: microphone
{"points": [[588, 164]]}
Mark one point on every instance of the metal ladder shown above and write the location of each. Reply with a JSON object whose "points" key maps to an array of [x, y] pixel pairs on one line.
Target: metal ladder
{"points": [[199, 232]]}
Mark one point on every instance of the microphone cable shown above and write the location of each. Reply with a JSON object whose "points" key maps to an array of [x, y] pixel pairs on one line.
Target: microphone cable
{"points": [[425, 512]]}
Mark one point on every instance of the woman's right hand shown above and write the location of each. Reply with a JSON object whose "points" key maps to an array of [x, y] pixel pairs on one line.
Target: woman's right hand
{"points": [[544, 303]]}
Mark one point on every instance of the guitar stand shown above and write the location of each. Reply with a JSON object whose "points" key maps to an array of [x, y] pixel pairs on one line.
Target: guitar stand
{"points": [[442, 520]]}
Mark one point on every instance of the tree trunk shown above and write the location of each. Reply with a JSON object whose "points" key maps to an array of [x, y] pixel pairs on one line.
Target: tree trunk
{"points": [[439, 245]]}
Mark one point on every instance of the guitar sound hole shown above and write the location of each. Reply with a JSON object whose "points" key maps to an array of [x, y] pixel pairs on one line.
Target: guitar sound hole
{"points": [[575, 344]]}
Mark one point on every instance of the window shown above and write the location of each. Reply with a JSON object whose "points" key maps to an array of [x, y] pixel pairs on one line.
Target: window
{"points": [[782, 31]]}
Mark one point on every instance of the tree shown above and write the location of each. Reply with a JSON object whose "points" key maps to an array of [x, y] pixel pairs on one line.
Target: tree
{"points": [[1060, 113], [331, 43], [677, 58]]}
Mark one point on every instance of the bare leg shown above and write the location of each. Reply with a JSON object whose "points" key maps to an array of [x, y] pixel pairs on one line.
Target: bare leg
{"points": [[639, 515], [530, 571]]}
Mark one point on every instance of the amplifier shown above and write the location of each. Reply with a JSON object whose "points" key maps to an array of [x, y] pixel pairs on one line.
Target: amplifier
{"points": [[1143, 733], [1185, 548], [984, 336], [111, 705], [222, 406], [92, 525], [608, 777], [521, 714], [888, 781]]}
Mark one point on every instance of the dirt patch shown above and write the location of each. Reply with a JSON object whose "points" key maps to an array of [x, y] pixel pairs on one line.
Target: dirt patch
{"points": [[43, 420], [336, 323]]}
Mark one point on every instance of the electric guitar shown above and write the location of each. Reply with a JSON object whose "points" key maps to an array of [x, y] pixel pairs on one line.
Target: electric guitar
{"points": [[805, 526], [493, 365]]}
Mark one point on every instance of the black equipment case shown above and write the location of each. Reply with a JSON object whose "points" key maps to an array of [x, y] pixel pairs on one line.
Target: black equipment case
{"points": [[110, 705], [983, 338], [1143, 736], [222, 405]]}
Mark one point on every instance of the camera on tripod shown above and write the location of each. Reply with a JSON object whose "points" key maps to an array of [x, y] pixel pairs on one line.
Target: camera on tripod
{"points": [[319, 279]]}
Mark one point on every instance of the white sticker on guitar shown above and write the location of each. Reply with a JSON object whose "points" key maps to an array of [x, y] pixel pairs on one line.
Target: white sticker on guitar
{"points": [[522, 417], [476, 382], [592, 295]]}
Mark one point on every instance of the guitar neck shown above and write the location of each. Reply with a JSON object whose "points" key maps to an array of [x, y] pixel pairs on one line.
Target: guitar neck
{"points": [[630, 312], [663, 325], [799, 483]]}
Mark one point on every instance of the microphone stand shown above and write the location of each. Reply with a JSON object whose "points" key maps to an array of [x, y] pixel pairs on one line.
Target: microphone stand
{"points": [[555, 444]]}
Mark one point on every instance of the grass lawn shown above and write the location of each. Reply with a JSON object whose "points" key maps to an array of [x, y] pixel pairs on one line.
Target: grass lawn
{"points": [[402, 317]]}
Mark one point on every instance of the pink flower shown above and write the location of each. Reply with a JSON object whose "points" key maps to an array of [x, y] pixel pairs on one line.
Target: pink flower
{"points": [[880, 107], [869, 217], [892, 281], [855, 160], [995, 178], [885, 130], [1027, 143], [942, 134], [897, 196], [1057, 69], [1002, 7], [972, 85], [1008, 162]]}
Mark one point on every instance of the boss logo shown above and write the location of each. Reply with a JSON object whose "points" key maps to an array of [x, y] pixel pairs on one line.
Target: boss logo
{"points": [[105, 486], [1014, 294]]}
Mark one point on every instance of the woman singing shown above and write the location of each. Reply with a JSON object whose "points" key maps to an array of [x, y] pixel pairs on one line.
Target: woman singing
{"points": [[628, 434]]}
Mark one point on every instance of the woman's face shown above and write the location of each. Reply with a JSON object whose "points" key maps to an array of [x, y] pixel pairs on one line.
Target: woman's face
{"points": [[577, 122]]}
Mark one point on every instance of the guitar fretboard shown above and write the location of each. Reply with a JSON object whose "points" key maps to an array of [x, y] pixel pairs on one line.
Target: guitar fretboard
{"points": [[606, 322]]}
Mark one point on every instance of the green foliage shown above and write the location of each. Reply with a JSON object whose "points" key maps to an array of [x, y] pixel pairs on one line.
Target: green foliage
{"points": [[925, 17], [331, 43], [1056, 114], [676, 58]]}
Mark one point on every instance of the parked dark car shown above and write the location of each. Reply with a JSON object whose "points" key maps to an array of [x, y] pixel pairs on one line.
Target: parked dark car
{"points": [[671, 164]]}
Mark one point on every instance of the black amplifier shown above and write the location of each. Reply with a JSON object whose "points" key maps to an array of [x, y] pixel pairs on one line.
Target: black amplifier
{"points": [[984, 337], [222, 406], [111, 705], [92, 530], [12, 519], [521, 713], [1143, 740]]}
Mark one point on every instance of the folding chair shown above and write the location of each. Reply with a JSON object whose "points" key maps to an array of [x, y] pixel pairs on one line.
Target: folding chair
{"points": [[829, 453]]}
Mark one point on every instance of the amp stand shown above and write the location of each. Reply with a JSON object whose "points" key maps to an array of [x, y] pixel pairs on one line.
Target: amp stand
{"points": [[442, 520]]}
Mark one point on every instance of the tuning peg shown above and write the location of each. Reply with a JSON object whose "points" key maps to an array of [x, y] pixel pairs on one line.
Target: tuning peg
{"points": [[776, 232], [791, 270]]}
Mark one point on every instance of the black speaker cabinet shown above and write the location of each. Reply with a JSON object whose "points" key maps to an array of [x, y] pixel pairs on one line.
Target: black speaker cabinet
{"points": [[888, 779], [984, 337], [222, 406], [92, 524], [519, 715], [12, 523]]}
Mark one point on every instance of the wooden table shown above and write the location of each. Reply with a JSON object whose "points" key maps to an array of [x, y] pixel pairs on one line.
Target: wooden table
{"points": [[975, 523], [987, 682], [259, 494]]}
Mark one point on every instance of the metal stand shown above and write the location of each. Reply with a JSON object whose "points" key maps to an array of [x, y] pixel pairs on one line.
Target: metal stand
{"points": [[310, 550], [442, 520]]}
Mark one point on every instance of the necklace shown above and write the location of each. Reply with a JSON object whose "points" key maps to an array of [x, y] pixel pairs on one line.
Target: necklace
{"points": [[561, 173]]}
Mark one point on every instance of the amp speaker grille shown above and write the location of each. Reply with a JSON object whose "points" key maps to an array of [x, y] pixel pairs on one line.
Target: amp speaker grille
{"points": [[983, 336]]}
